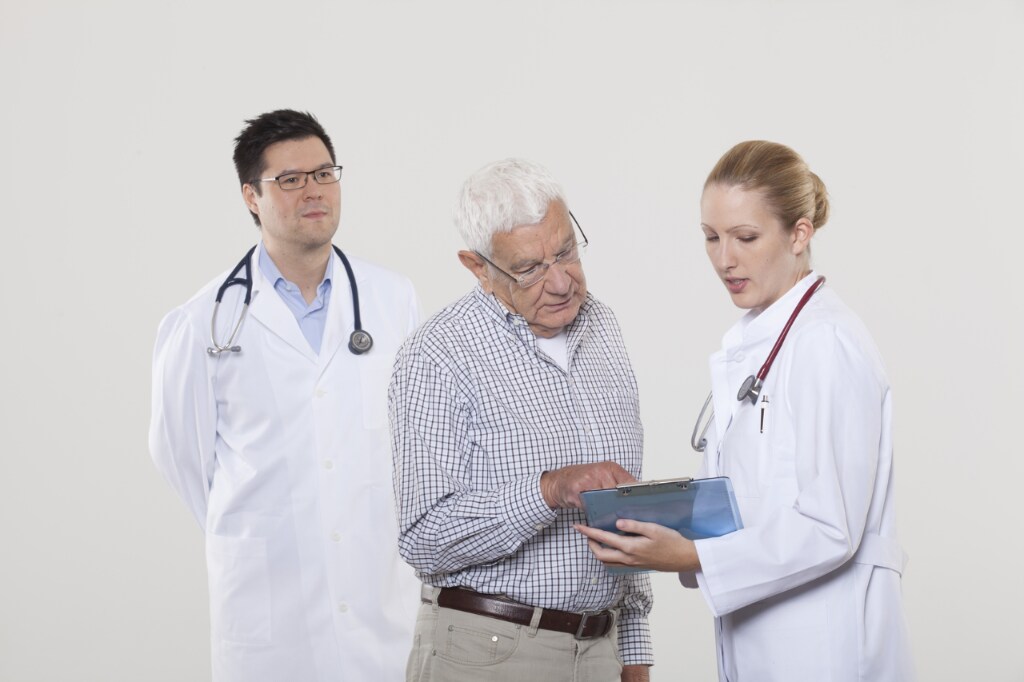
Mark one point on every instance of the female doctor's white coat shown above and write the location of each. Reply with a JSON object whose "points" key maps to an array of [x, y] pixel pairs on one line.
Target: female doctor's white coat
{"points": [[809, 589], [283, 457]]}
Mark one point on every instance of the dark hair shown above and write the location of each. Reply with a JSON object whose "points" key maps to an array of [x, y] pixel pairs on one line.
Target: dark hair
{"points": [[265, 130], [778, 172]]}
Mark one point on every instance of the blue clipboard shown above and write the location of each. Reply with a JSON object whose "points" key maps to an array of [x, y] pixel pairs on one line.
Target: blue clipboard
{"points": [[697, 508]]}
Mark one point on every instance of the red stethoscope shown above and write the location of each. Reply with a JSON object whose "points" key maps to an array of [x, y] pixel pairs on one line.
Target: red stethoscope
{"points": [[751, 387]]}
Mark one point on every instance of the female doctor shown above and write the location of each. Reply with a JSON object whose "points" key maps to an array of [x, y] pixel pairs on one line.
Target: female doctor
{"points": [[809, 589]]}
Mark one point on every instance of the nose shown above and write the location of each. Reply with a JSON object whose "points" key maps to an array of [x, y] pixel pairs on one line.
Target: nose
{"points": [[313, 189], [558, 280], [721, 255]]}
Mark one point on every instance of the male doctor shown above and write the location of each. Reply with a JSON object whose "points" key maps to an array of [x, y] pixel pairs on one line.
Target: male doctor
{"points": [[278, 445]]}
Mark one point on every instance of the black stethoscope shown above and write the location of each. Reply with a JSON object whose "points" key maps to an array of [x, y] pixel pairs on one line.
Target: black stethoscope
{"points": [[359, 341], [751, 387]]}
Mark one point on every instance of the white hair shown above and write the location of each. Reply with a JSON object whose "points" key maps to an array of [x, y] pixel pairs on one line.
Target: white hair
{"points": [[501, 196]]}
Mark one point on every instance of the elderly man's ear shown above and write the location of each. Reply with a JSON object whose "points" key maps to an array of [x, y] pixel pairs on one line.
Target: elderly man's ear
{"points": [[478, 266]]}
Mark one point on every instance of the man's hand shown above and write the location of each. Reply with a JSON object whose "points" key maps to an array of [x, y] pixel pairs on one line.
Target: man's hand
{"points": [[561, 488], [636, 673]]}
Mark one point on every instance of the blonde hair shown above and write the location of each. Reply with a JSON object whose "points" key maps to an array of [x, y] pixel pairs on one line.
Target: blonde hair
{"points": [[780, 175]]}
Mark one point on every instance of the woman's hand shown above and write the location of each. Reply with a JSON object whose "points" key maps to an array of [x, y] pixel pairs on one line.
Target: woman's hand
{"points": [[652, 546]]}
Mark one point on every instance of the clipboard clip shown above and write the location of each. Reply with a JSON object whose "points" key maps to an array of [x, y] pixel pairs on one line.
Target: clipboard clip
{"points": [[648, 487]]}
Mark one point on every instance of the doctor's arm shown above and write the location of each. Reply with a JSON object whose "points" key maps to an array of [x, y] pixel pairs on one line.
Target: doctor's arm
{"points": [[649, 546], [835, 401], [447, 520], [182, 430]]}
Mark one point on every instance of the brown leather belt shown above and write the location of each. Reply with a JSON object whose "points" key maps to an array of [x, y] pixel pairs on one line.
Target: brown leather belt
{"points": [[580, 625]]}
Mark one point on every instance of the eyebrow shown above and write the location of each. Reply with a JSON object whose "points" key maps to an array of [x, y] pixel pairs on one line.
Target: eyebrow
{"points": [[734, 227], [527, 263], [296, 170]]}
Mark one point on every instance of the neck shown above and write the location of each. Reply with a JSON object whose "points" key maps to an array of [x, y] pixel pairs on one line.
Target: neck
{"points": [[304, 267]]}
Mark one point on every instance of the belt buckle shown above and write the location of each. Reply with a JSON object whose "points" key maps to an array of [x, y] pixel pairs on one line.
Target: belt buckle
{"points": [[583, 623]]}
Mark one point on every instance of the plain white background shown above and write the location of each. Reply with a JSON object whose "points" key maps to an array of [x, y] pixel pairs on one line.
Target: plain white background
{"points": [[119, 200]]}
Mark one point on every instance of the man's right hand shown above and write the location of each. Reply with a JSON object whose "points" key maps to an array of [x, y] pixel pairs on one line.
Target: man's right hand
{"points": [[561, 488]]}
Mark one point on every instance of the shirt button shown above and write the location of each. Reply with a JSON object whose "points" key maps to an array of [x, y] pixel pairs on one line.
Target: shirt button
{"points": [[539, 527], [328, 464], [342, 607], [336, 536], [593, 581]]}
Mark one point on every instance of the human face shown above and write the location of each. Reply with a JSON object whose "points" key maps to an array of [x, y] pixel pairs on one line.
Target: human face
{"points": [[757, 259], [301, 219], [550, 305]]}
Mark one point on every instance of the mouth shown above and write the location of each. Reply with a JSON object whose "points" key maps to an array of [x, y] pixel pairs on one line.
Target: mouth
{"points": [[735, 285], [315, 214]]}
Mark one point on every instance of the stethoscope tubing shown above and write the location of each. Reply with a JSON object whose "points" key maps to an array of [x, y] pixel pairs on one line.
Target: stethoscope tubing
{"points": [[751, 387], [360, 340]]}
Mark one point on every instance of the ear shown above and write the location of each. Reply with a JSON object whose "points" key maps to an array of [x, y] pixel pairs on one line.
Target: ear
{"points": [[249, 197], [478, 267], [800, 236]]}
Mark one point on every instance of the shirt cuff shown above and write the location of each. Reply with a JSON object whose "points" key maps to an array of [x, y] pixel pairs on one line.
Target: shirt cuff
{"points": [[635, 640], [528, 513]]}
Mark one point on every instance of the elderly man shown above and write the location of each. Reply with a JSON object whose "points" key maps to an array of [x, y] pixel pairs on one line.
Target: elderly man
{"points": [[504, 407]]}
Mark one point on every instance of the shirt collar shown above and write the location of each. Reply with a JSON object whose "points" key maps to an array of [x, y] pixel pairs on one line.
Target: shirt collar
{"points": [[757, 326], [516, 323], [274, 276]]}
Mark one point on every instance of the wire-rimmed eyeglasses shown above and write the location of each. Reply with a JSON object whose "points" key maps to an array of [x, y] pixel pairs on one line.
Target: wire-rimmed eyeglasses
{"points": [[537, 272], [323, 176]]}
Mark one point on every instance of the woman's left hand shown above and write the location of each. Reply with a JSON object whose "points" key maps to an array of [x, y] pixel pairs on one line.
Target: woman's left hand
{"points": [[651, 546]]}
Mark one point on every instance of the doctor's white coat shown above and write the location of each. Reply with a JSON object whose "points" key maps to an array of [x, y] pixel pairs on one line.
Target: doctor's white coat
{"points": [[809, 589], [283, 457]]}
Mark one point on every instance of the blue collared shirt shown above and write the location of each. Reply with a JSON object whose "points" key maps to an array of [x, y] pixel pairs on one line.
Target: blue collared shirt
{"points": [[312, 318]]}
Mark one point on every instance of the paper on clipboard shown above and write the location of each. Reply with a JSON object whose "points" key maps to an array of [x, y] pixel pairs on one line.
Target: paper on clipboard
{"points": [[697, 508]]}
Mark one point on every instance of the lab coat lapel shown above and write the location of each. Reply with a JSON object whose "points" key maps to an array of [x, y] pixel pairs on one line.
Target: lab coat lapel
{"points": [[744, 348], [268, 308], [340, 315]]}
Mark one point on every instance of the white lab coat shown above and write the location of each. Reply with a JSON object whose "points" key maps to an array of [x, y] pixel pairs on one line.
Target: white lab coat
{"points": [[284, 459], [809, 589]]}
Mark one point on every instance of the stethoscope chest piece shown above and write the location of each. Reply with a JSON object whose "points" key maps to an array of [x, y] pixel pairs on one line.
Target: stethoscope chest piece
{"points": [[751, 388], [360, 342]]}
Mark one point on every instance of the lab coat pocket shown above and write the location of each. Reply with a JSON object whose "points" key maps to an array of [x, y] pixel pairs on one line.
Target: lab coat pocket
{"points": [[239, 589], [374, 375]]}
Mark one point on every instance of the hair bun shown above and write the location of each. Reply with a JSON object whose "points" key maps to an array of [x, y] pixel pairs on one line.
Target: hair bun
{"points": [[821, 205]]}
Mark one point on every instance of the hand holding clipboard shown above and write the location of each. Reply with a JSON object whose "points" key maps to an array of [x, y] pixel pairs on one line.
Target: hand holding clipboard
{"points": [[695, 508]]}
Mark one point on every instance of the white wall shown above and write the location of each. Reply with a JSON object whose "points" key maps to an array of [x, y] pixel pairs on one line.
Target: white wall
{"points": [[119, 200]]}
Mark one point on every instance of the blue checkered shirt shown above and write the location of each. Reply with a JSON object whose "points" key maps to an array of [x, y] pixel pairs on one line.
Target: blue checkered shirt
{"points": [[477, 414]]}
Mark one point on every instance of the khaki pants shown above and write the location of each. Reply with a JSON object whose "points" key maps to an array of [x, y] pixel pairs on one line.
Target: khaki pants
{"points": [[454, 646]]}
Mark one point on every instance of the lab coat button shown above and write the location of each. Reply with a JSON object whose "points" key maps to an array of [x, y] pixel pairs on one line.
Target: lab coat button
{"points": [[336, 536], [320, 393], [342, 607], [738, 357], [328, 464]]}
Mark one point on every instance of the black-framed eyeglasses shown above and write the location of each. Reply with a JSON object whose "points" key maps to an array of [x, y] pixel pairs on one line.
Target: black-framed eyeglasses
{"points": [[540, 270], [322, 176]]}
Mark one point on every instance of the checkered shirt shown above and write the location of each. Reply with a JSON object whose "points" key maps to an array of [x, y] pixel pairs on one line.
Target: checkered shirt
{"points": [[477, 414]]}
